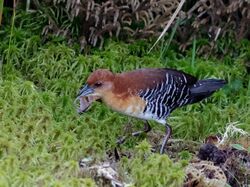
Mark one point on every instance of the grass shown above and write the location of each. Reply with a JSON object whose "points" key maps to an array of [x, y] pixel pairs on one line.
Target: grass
{"points": [[42, 138], [1, 11]]}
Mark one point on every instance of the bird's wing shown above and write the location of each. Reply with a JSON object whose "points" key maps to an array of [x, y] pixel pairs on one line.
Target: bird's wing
{"points": [[143, 79]]}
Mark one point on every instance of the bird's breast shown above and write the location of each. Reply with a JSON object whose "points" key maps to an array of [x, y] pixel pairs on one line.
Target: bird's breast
{"points": [[132, 105]]}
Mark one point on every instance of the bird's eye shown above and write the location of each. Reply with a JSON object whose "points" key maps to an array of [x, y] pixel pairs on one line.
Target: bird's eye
{"points": [[97, 84]]}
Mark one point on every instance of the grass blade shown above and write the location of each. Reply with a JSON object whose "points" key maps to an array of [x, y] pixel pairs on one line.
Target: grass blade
{"points": [[27, 5], [169, 23], [12, 29], [1, 11], [170, 39], [193, 52]]}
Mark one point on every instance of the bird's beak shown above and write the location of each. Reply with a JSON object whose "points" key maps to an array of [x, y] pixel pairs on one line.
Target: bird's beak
{"points": [[86, 96], [85, 91]]}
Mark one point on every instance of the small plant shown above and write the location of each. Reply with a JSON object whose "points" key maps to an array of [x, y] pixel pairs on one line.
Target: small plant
{"points": [[185, 155], [154, 169]]}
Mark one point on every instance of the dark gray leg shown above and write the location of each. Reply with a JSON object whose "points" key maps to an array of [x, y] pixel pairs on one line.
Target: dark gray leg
{"points": [[166, 138], [146, 129]]}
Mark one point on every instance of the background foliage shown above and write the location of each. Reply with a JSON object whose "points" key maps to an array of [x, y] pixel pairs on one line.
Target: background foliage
{"points": [[90, 22]]}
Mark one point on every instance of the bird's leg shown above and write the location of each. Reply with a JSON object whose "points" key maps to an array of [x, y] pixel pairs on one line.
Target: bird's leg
{"points": [[121, 140], [146, 129], [166, 138]]}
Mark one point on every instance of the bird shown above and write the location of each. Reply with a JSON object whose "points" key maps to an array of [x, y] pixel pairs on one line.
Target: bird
{"points": [[147, 94]]}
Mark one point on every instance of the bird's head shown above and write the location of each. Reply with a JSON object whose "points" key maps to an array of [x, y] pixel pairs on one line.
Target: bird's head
{"points": [[97, 85]]}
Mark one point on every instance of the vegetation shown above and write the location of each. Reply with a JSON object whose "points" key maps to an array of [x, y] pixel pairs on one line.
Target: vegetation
{"points": [[89, 22], [149, 169], [42, 138]]}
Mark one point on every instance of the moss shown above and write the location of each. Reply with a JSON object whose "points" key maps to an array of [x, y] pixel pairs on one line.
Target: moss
{"points": [[150, 169]]}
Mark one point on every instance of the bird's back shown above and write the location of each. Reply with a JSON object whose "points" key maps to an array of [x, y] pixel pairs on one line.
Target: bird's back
{"points": [[142, 79]]}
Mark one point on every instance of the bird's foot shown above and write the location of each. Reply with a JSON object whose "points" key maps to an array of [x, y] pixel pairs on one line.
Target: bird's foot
{"points": [[146, 129], [116, 154], [137, 133], [121, 140]]}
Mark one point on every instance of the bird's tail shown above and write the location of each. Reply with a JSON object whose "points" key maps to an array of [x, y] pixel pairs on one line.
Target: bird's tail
{"points": [[204, 88]]}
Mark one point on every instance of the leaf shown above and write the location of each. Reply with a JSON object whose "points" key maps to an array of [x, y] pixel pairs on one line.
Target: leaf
{"points": [[238, 146]]}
